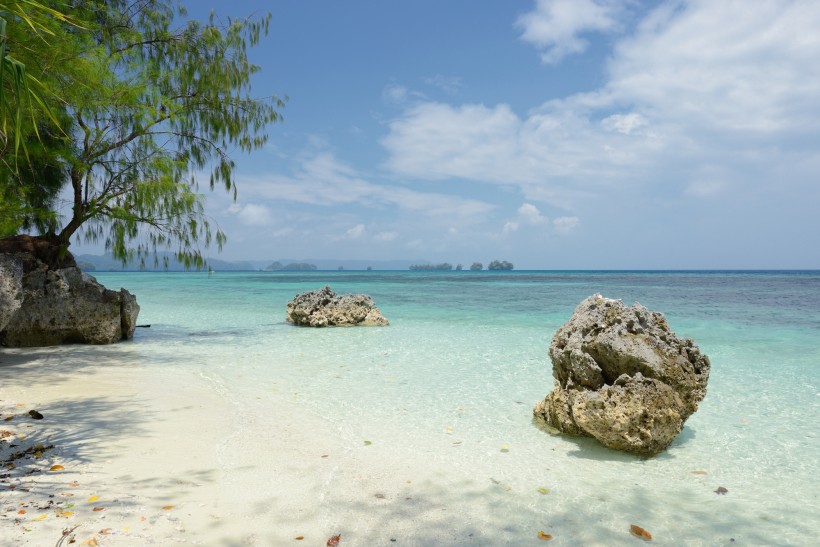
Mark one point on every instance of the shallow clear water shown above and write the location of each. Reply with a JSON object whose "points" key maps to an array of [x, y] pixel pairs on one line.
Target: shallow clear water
{"points": [[453, 380]]}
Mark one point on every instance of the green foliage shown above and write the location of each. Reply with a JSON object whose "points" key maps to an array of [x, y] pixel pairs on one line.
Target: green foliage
{"points": [[37, 183], [25, 29], [476, 266], [155, 108], [500, 265], [176, 101]]}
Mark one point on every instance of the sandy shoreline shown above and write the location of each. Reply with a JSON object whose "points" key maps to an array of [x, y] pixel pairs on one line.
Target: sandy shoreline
{"points": [[156, 455], [160, 457], [169, 455]]}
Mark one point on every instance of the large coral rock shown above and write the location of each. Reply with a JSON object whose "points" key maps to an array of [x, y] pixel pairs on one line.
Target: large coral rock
{"points": [[43, 306], [324, 308], [622, 377], [11, 288]]}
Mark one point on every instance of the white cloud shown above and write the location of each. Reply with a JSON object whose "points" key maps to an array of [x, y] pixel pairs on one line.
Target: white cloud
{"points": [[624, 123], [252, 214], [323, 180], [727, 65], [529, 214], [698, 86], [565, 225], [394, 94], [556, 25], [355, 232], [545, 154], [461, 141]]}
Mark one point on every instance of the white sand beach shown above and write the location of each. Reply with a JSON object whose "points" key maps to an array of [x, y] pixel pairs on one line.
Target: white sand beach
{"points": [[163, 458]]}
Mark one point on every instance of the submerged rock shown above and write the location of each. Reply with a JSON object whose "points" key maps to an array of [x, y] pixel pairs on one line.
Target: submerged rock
{"points": [[623, 377], [46, 305], [324, 308]]}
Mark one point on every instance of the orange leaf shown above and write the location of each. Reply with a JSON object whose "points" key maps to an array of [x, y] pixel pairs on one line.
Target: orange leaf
{"points": [[21, 512], [99, 509], [639, 532], [167, 507], [544, 536], [333, 541], [57, 467], [299, 538], [74, 484]]}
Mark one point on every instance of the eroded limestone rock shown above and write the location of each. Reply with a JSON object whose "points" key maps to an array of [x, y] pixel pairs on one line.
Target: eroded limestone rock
{"points": [[324, 308], [11, 288], [623, 377], [50, 306]]}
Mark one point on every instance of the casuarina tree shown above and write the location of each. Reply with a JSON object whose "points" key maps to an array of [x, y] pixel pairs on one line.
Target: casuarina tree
{"points": [[155, 104]]}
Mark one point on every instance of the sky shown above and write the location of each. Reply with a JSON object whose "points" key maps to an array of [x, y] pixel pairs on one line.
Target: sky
{"points": [[555, 134]]}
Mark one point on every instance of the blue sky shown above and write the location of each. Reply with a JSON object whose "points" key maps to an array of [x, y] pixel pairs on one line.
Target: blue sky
{"points": [[588, 134]]}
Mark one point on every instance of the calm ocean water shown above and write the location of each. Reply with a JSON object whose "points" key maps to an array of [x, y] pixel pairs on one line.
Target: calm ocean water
{"points": [[465, 359]]}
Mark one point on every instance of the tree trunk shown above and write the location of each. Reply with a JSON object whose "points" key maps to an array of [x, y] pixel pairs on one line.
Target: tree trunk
{"points": [[79, 210]]}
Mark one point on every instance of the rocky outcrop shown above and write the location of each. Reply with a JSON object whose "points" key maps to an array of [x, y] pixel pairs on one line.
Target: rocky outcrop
{"points": [[43, 305], [623, 377], [11, 288], [324, 308]]}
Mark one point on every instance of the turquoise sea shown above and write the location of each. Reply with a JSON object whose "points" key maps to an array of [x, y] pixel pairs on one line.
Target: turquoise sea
{"points": [[452, 382]]}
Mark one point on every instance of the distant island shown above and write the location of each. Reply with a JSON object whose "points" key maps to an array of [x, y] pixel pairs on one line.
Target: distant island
{"points": [[167, 261], [292, 267], [442, 266], [500, 265], [475, 266]]}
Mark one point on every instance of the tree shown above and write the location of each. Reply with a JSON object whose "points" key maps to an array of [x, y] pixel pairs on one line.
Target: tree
{"points": [[159, 103], [500, 265], [476, 266], [31, 136], [17, 86]]}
